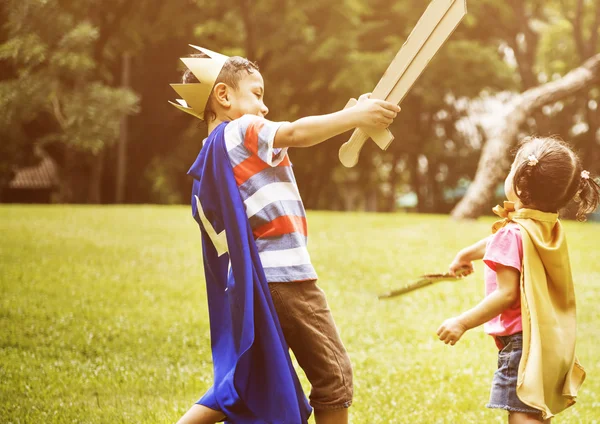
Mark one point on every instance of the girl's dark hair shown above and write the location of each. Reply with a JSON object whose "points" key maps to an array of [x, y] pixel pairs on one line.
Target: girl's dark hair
{"points": [[234, 69], [548, 174]]}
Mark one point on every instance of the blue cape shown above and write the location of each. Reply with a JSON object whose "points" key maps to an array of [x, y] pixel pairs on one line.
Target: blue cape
{"points": [[255, 381]]}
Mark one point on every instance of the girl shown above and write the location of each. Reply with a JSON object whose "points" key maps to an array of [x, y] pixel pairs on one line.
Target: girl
{"points": [[529, 306]]}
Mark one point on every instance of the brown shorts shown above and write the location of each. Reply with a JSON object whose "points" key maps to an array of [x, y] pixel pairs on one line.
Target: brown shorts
{"points": [[311, 333]]}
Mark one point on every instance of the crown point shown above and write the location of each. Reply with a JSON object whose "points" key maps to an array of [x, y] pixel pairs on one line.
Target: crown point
{"points": [[194, 96], [214, 55]]}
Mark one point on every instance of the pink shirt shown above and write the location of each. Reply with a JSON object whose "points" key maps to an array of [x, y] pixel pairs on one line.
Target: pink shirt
{"points": [[504, 248]]}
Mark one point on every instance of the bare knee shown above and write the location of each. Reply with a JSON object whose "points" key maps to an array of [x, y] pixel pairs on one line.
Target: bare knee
{"points": [[525, 418]]}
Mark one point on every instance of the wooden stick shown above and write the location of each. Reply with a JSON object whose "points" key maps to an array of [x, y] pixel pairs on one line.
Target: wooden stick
{"points": [[424, 281]]}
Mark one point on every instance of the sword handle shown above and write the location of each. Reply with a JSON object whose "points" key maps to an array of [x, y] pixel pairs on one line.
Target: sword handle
{"points": [[351, 149]]}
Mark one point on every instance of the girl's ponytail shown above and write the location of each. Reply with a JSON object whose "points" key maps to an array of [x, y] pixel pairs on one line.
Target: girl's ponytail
{"points": [[588, 195]]}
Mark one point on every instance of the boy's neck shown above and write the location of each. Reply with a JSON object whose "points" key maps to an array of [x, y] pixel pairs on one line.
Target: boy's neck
{"points": [[219, 119], [214, 124]]}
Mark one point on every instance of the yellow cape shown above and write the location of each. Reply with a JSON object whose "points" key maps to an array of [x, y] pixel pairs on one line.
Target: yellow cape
{"points": [[549, 372]]}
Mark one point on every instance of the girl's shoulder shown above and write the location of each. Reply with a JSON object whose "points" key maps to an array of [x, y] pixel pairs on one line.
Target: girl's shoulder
{"points": [[508, 237], [505, 247], [510, 228]]}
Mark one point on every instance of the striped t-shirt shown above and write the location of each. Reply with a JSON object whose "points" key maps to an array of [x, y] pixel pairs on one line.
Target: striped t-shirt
{"points": [[268, 188]]}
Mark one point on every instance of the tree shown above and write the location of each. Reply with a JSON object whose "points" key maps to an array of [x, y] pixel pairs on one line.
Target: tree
{"points": [[66, 84], [314, 57], [57, 86], [560, 22], [494, 161]]}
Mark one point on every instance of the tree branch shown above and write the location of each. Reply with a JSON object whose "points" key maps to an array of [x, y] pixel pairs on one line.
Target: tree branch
{"points": [[60, 117], [495, 156], [577, 23], [595, 30], [246, 12], [108, 27], [525, 57], [564, 8]]}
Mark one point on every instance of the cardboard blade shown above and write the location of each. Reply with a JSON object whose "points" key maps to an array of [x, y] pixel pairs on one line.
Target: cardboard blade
{"points": [[427, 50], [414, 45]]}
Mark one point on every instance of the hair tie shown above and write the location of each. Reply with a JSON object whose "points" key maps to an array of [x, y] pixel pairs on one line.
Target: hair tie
{"points": [[585, 175], [532, 160]]}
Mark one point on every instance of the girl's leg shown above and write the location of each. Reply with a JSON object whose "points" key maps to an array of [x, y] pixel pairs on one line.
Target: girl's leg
{"points": [[199, 414], [524, 418]]}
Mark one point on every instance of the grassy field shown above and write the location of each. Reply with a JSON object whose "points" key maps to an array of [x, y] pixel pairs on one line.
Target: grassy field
{"points": [[103, 315]]}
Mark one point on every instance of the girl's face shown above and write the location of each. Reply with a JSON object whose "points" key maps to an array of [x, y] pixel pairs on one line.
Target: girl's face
{"points": [[508, 184]]}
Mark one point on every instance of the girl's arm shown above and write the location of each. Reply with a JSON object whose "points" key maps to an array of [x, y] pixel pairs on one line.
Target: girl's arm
{"points": [[505, 295], [465, 258]]}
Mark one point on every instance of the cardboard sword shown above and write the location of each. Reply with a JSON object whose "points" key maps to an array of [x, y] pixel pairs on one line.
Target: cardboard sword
{"points": [[433, 29]]}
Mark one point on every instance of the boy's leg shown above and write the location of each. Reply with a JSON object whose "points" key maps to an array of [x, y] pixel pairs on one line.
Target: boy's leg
{"points": [[311, 334], [333, 416], [200, 414]]}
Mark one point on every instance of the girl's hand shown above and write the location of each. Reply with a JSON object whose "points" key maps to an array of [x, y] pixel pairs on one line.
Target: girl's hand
{"points": [[463, 264], [464, 258], [374, 113], [451, 331]]}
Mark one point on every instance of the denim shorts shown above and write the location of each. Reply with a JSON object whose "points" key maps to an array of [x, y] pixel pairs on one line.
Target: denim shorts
{"points": [[504, 384]]}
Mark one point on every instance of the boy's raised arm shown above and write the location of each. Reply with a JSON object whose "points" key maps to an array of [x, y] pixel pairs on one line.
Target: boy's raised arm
{"points": [[306, 132]]}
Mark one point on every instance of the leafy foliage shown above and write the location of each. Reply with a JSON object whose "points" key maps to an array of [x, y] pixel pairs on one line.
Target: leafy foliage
{"points": [[58, 75], [64, 58]]}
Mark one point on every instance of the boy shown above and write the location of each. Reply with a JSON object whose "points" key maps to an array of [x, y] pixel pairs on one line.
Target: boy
{"points": [[256, 150]]}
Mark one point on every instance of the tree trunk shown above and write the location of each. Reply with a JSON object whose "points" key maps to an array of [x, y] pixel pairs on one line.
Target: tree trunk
{"points": [[495, 156], [436, 192], [390, 204], [586, 48], [95, 183], [66, 192], [415, 180], [249, 27], [526, 56], [122, 143], [590, 150]]}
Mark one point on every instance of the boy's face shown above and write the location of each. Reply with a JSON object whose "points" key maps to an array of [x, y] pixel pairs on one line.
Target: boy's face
{"points": [[248, 98]]}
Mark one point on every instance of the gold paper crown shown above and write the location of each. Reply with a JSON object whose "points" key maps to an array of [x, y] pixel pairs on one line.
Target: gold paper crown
{"points": [[206, 70]]}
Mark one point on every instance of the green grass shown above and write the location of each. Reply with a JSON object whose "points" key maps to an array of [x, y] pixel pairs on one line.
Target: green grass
{"points": [[103, 315]]}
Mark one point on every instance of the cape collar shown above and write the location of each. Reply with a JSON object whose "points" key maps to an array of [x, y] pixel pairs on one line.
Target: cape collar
{"points": [[509, 214]]}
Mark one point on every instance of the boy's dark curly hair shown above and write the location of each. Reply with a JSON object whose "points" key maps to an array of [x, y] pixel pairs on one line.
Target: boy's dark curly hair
{"points": [[555, 177], [233, 70]]}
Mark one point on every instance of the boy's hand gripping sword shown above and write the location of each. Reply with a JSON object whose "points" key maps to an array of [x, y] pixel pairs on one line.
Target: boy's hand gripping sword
{"points": [[433, 29]]}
